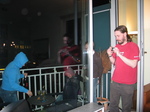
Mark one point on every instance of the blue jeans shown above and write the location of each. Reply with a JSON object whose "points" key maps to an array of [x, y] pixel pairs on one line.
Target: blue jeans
{"points": [[95, 80], [8, 96]]}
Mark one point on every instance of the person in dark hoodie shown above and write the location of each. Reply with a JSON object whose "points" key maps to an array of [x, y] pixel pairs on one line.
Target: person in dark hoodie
{"points": [[68, 100], [71, 87], [11, 75]]}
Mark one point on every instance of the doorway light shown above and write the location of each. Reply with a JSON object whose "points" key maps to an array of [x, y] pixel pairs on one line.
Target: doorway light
{"points": [[133, 32]]}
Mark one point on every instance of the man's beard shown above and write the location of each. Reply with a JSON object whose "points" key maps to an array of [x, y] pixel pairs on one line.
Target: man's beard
{"points": [[122, 41]]}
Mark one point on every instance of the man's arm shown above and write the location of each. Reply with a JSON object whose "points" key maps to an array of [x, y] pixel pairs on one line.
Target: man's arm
{"points": [[110, 52], [58, 58], [132, 63]]}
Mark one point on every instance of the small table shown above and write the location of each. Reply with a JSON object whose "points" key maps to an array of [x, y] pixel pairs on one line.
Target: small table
{"points": [[37, 100]]}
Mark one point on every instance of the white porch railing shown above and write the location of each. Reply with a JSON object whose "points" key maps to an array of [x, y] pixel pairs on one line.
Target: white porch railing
{"points": [[52, 79]]}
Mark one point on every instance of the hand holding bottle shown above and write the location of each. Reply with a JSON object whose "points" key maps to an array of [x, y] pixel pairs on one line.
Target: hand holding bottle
{"points": [[29, 93], [25, 74]]}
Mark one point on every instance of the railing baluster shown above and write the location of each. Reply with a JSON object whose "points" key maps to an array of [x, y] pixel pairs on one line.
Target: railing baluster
{"points": [[35, 85], [59, 83], [102, 85], [63, 79], [40, 76], [50, 80], [55, 82], [106, 85], [45, 81], [29, 82]]}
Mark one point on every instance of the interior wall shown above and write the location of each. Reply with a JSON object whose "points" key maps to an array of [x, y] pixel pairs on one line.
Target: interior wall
{"points": [[146, 42], [128, 14], [122, 12]]}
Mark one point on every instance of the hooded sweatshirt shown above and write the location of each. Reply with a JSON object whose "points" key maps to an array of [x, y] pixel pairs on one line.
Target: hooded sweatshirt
{"points": [[12, 74], [70, 70]]}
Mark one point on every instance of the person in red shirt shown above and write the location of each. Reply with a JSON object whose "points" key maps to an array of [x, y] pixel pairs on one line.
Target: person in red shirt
{"points": [[70, 53], [124, 56]]}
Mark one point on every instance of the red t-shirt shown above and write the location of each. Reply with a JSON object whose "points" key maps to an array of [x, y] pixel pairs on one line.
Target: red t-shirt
{"points": [[124, 73], [68, 59]]}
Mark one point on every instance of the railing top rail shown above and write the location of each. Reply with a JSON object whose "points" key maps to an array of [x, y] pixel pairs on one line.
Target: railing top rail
{"points": [[43, 68]]}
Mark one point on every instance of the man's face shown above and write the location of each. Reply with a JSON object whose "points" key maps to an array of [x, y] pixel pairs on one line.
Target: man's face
{"points": [[65, 39], [69, 75], [121, 37], [86, 47]]}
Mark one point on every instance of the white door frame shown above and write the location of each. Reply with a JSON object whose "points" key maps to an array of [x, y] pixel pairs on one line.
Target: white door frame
{"points": [[140, 82]]}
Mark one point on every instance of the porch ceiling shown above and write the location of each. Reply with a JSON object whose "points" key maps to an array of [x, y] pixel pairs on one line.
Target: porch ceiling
{"points": [[14, 6]]}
